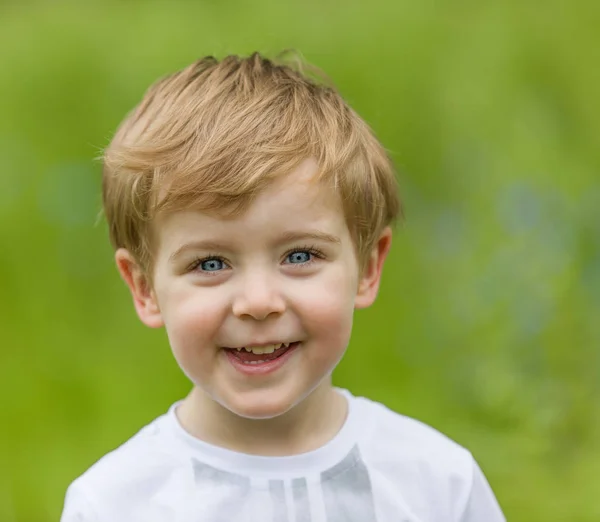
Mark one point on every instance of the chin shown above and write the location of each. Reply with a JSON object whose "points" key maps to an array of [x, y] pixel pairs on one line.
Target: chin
{"points": [[258, 405]]}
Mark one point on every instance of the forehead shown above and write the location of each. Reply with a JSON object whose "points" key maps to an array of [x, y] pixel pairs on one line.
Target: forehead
{"points": [[293, 201], [300, 190]]}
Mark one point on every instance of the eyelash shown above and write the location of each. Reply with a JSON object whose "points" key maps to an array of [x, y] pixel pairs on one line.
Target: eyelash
{"points": [[198, 261], [313, 251]]}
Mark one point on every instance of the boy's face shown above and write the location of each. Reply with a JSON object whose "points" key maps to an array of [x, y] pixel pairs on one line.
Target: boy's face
{"points": [[284, 271]]}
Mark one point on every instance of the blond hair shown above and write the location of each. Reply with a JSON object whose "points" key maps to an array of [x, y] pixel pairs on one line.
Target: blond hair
{"points": [[214, 134]]}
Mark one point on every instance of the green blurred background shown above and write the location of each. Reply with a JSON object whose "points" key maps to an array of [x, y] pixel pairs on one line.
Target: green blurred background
{"points": [[486, 323]]}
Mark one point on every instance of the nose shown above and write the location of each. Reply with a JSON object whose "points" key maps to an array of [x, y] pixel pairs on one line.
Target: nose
{"points": [[259, 297]]}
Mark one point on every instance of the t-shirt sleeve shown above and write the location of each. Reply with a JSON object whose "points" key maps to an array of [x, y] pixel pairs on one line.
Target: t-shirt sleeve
{"points": [[481, 505], [77, 507]]}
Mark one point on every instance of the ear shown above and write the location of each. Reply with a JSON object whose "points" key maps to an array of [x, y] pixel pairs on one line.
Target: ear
{"points": [[144, 298], [368, 285]]}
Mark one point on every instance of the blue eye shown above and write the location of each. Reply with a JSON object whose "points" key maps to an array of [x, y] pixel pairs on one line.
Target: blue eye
{"points": [[299, 257], [212, 265]]}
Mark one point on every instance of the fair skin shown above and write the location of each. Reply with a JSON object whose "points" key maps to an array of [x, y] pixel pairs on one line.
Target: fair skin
{"points": [[284, 271]]}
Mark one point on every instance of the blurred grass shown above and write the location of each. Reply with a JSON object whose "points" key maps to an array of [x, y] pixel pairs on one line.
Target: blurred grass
{"points": [[486, 323]]}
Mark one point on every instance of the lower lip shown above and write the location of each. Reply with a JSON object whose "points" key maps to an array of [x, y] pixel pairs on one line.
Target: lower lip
{"points": [[261, 368]]}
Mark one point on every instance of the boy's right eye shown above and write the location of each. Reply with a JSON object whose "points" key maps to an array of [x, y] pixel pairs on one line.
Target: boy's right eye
{"points": [[209, 264]]}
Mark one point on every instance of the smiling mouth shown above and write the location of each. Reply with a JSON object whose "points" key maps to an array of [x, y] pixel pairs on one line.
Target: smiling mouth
{"points": [[260, 354]]}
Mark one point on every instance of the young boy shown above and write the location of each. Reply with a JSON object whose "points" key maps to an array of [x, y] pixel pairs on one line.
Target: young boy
{"points": [[250, 209]]}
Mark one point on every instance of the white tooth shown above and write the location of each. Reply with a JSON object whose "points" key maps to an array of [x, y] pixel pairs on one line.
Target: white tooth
{"points": [[285, 345], [259, 350], [239, 349]]}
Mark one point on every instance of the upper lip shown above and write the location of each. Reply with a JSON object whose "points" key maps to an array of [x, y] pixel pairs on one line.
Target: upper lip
{"points": [[269, 343]]}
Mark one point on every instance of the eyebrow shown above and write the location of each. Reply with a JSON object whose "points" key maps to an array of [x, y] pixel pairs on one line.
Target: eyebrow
{"points": [[314, 235], [207, 245], [286, 237]]}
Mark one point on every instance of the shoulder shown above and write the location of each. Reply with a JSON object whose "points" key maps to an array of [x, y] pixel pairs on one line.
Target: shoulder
{"points": [[136, 469], [439, 478], [406, 438], [146, 453], [405, 454]]}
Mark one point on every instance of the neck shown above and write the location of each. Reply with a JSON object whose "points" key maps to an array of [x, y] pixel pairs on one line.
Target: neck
{"points": [[306, 427]]}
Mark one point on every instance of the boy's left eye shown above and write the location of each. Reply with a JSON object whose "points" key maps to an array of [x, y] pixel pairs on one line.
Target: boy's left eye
{"points": [[299, 257], [212, 265]]}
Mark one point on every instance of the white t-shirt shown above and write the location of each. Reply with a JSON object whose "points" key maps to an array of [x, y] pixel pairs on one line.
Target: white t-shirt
{"points": [[380, 467]]}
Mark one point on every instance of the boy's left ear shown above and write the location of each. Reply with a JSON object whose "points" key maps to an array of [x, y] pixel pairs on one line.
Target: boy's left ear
{"points": [[368, 285]]}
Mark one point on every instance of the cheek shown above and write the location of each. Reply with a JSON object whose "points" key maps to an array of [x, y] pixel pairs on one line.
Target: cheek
{"points": [[328, 309], [191, 317]]}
